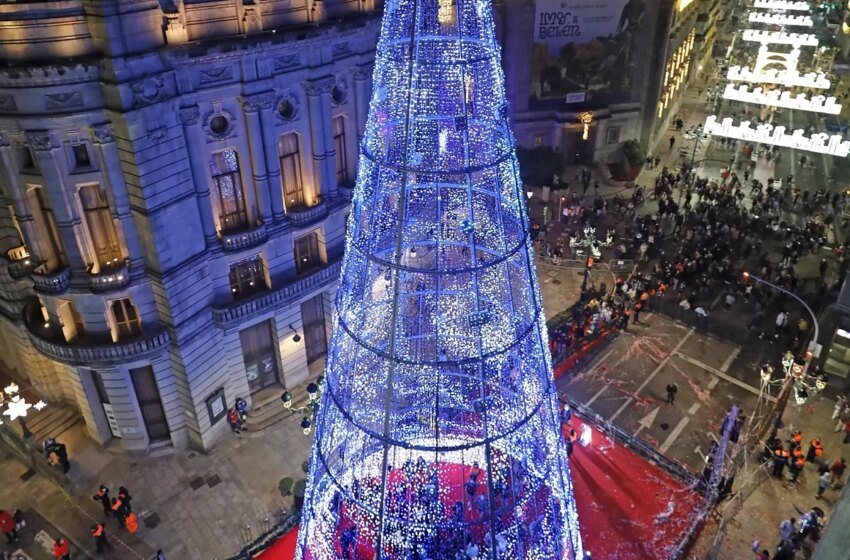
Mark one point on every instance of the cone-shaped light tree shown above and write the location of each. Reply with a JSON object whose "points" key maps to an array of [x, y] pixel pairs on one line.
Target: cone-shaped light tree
{"points": [[438, 434]]}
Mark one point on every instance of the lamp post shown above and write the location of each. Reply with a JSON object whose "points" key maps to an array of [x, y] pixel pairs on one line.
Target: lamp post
{"points": [[795, 373], [593, 245], [699, 136], [309, 410]]}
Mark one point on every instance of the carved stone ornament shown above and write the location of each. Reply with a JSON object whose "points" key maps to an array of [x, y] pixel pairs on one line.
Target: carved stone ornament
{"points": [[219, 125], [257, 101], [103, 133], [63, 100], [147, 91], [216, 75], [7, 103], [190, 115], [287, 62], [320, 86], [341, 49], [359, 73], [339, 93], [40, 140]]}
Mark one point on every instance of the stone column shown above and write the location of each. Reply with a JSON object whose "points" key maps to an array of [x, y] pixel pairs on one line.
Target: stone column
{"points": [[330, 152], [267, 108], [46, 149], [18, 194], [361, 98], [190, 117], [318, 94], [251, 108], [104, 138]]}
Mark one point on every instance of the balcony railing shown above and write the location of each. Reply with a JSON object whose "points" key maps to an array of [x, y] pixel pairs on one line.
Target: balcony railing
{"points": [[347, 192], [81, 351], [110, 279], [303, 216], [244, 239], [236, 312], [51, 282], [20, 263]]}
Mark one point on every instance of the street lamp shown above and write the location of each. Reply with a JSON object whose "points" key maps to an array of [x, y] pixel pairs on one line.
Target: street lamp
{"points": [[796, 374], [309, 410], [698, 136]]}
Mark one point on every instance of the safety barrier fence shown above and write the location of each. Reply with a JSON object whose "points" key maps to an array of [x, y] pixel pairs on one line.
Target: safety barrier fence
{"points": [[270, 536]]}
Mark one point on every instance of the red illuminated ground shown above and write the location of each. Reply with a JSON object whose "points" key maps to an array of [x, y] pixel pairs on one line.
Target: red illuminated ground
{"points": [[629, 508]]}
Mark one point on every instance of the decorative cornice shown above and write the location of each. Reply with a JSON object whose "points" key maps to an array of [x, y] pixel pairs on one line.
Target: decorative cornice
{"points": [[359, 73], [189, 115], [319, 86], [255, 102], [103, 133], [5, 138], [41, 140]]}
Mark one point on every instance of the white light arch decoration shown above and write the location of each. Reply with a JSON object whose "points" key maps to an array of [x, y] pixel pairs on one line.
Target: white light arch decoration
{"points": [[773, 18], [821, 142], [780, 77], [782, 5], [782, 98], [780, 38], [766, 57]]}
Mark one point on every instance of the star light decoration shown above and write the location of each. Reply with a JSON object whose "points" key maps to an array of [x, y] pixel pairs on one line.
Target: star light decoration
{"points": [[437, 432], [16, 406], [592, 243]]}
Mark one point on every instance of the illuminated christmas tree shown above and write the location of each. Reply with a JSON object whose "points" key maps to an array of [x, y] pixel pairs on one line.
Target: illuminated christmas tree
{"points": [[438, 434]]}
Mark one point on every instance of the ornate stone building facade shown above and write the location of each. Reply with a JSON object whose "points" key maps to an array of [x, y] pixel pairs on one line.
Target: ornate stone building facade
{"points": [[175, 179]]}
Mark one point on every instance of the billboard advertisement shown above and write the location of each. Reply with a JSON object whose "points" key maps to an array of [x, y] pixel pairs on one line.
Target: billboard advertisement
{"points": [[587, 47]]}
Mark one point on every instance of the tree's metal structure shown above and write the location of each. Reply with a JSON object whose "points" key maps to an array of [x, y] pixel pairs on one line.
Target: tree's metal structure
{"points": [[438, 435]]}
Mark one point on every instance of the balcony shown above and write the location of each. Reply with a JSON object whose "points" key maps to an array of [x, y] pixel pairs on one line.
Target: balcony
{"points": [[20, 264], [234, 313], [112, 278], [243, 239], [55, 282], [303, 216], [347, 192], [85, 352]]}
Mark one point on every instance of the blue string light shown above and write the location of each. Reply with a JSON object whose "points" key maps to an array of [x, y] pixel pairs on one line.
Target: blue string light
{"points": [[438, 435]]}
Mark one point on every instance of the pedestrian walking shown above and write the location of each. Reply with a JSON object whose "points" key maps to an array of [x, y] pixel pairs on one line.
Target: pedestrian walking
{"points": [[98, 531], [780, 459], [823, 484], [118, 510], [840, 403], [102, 496], [787, 529], [160, 555], [836, 470], [672, 141], [671, 393], [7, 525], [61, 549], [125, 497], [847, 431]]}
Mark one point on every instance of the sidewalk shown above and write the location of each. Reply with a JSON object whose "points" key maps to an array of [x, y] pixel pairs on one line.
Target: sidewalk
{"points": [[192, 505]]}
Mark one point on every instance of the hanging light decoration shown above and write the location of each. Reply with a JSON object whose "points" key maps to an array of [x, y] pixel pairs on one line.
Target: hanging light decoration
{"points": [[438, 428]]}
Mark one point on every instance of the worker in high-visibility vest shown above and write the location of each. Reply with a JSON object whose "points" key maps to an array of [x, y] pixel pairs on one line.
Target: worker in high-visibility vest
{"points": [[99, 534], [815, 452]]}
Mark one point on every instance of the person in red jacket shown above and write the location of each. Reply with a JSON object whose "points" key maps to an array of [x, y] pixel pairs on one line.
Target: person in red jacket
{"points": [[61, 549], [7, 525]]}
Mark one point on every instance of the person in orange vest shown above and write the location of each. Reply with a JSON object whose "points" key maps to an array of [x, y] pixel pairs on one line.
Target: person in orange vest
{"points": [[796, 438], [102, 496], [118, 510], [780, 459], [125, 496], [815, 452], [798, 462], [98, 531], [61, 549], [131, 523], [638, 307]]}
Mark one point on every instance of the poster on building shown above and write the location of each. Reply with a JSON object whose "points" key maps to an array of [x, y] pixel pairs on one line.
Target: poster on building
{"points": [[589, 46]]}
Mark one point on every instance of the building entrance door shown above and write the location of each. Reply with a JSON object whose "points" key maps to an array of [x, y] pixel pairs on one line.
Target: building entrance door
{"points": [[259, 355]]}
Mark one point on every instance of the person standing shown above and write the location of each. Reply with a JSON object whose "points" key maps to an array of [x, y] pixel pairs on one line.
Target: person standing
{"points": [[119, 511], [787, 529], [61, 549], [102, 496], [815, 451], [672, 141], [7, 525], [823, 484], [836, 470], [125, 497], [98, 531], [160, 555], [671, 393]]}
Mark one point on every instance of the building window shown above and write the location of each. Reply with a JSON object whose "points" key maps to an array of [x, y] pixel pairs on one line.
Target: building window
{"points": [[233, 214], [101, 227], [48, 231], [125, 318], [538, 141], [315, 335], [612, 135], [259, 355], [81, 156], [339, 148], [27, 160], [307, 255], [248, 277], [290, 170]]}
